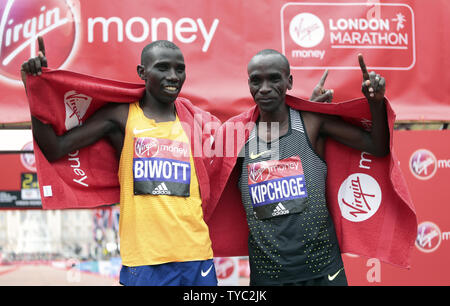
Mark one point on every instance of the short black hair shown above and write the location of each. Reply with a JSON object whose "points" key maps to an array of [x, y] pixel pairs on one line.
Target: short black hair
{"points": [[275, 52], [158, 43]]}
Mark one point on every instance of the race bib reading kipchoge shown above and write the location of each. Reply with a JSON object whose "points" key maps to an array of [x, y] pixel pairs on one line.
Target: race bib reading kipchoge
{"points": [[277, 187]]}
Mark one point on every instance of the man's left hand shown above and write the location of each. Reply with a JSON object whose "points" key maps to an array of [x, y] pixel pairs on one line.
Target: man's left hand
{"points": [[374, 85], [320, 94]]}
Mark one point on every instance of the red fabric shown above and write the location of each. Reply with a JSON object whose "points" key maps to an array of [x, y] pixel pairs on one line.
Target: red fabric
{"points": [[46, 96], [388, 235]]}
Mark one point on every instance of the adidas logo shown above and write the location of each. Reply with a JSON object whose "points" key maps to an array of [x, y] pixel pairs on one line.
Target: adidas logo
{"points": [[161, 189], [280, 210]]}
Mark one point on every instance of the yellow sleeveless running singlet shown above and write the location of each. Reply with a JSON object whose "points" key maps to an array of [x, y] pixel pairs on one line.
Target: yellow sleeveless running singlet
{"points": [[161, 217]]}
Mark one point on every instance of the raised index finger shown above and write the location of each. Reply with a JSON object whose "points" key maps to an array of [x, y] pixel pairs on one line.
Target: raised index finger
{"points": [[363, 67], [41, 44], [324, 77]]}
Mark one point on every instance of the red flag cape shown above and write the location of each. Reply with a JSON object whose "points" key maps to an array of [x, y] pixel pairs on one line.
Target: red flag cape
{"points": [[88, 177], [388, 234]]}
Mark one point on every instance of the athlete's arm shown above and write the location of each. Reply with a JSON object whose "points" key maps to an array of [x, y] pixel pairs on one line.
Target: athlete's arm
{"points": [[109, 121], [375, 142]]}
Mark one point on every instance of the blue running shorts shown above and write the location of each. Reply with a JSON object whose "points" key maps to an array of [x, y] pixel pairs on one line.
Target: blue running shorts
{"points": [[189, 273]]}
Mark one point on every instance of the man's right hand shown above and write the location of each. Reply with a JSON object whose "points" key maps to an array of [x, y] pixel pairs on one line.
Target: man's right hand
{"points": [[34, 65]]}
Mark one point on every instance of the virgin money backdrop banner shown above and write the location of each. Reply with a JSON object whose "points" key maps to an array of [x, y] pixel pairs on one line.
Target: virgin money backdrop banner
{"points": [[406, 41], [425, 163]]}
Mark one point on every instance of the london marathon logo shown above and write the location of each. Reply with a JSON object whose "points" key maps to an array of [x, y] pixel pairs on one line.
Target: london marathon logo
{"points": [[326, 35]]}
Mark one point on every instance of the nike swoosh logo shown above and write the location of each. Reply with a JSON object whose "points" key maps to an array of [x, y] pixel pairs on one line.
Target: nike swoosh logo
{"points": [[206, 272], [253, 155], [332, 277], [137, 131]]}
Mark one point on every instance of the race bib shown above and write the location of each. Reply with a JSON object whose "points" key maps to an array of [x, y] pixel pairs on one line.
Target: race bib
{"points": [[277, 187], [161, 167]]}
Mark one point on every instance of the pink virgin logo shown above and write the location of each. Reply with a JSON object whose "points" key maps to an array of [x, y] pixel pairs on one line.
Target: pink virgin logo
{"points": [[428, 237], [423, 164]]}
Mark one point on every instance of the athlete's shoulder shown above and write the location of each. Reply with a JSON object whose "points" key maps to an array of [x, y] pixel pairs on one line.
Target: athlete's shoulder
{"points": [[117, 113], [115, 109]]}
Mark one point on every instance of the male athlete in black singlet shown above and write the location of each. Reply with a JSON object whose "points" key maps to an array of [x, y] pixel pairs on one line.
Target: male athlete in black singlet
{"points": [[292, 238]]}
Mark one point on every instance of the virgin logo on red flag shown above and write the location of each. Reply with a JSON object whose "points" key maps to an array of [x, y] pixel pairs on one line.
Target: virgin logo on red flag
{"points": [[328, 35], [359, 197], [76, 106], [23, 21]]}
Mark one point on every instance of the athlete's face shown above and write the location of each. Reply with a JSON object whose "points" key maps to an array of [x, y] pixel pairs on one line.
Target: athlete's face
{"points": [[268, 81], [163, 71]]}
